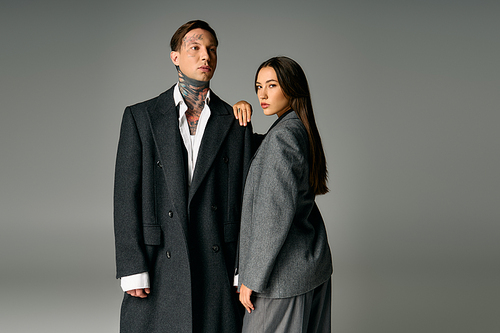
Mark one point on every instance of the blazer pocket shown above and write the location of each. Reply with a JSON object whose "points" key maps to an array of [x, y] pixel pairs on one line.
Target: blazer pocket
{"points": [[231, 231], [152, 234]]}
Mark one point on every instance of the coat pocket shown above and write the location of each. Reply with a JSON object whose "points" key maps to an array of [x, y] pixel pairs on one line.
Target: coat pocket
{"points": [[231, 231], [152, 234]]}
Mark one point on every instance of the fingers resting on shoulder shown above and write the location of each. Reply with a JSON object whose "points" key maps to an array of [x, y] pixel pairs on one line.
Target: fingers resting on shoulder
{"points": [[243, 112]]}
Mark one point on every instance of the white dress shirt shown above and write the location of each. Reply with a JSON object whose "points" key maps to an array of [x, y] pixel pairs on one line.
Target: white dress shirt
{"points": [[192, 144]]}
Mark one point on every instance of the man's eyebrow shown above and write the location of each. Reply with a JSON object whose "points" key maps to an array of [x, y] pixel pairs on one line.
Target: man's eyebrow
{"points": [[195, 42]]}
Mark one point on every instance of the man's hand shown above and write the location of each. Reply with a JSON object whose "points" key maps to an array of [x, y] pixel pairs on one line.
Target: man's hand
{"points": [[245, 294], [242, 111], [141, 293]]}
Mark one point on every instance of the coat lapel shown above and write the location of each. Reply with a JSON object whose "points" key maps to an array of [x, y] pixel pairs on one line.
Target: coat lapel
{"points": [[217, 128], [164, 125]]}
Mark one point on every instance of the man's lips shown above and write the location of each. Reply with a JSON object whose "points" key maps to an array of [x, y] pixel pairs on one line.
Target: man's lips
{"points": [[264, 105], [205, 68]]}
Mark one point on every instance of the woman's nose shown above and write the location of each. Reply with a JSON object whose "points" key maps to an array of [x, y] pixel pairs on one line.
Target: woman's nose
{"points": [[262, 94]]}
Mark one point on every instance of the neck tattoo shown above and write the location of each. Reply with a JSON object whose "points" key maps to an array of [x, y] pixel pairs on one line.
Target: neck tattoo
{"points": [[194, 93]]}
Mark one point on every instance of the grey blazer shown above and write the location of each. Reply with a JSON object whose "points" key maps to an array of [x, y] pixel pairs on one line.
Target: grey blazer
{"points": [[284, 249]]}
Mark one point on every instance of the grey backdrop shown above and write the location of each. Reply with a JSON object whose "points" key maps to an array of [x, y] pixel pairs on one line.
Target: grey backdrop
{"points": [[406, 95]]}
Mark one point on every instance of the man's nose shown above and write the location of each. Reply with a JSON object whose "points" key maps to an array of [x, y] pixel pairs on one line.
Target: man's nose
{"points": [[204, 54]]}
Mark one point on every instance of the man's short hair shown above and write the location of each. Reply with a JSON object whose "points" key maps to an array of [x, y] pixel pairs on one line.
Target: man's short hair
{"points": [[176, 41]]}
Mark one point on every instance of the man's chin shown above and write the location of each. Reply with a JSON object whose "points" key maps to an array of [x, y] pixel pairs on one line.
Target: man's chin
{"points": [[205, 77], [198, 81]]}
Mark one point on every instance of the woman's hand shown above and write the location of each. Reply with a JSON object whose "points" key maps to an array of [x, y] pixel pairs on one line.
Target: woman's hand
{"points": [[242, 111], [245, 294]]}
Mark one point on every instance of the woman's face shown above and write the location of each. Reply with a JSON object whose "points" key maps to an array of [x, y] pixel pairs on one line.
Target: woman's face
{"points": [[269, 92]]}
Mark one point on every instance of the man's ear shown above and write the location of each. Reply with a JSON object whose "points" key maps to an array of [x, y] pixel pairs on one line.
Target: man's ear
{"points": [[174, 56]]}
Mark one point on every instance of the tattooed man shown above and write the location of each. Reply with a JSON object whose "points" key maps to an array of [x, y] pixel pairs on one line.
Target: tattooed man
{"points": [[179, 174]]}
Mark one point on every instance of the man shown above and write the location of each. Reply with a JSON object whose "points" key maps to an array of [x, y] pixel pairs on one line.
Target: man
{"points": [[179, 176]]}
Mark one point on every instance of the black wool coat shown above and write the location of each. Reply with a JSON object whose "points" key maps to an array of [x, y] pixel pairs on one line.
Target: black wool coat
{"points": [[184, 237]]}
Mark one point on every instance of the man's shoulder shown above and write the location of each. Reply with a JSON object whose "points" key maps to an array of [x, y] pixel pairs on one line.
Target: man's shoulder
{"points": [[168, 94], [217, 102]]}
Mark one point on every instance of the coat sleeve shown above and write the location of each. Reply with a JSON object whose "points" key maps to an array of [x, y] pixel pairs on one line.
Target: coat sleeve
{"points": [[129, 244], [249, 150], [270, 203]]}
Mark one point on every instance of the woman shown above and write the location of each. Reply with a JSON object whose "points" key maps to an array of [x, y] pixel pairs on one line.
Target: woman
{"points": [[284, 258]]}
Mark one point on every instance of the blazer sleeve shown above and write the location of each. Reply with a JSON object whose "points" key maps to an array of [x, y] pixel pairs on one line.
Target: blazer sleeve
{"points": [[130, 258], [270, 203]]}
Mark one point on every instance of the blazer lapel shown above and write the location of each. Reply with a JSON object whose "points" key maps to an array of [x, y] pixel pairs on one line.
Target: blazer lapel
{"points": [[217, 128], [165, 128]]}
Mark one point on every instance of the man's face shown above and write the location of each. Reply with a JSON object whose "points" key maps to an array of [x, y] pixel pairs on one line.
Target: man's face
{"points": [[197, 56]]}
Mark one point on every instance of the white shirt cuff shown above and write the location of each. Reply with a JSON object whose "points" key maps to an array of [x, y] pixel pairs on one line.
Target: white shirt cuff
{"points": [[235, 281], [136, 281]]}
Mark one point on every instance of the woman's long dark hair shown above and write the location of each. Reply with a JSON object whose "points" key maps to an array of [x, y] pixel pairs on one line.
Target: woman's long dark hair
{"points": [[293, 82]]}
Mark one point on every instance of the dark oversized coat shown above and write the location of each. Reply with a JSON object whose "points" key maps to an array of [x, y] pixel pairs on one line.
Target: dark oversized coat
{"points": [[184, 237]]}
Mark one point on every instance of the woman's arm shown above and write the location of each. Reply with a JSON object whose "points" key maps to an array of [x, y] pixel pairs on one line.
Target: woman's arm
{"points": [[278, 174], [245, 294]]}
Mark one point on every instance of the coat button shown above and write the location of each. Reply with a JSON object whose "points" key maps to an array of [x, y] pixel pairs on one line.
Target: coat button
{"points": [[225, 159], [168, 255], [215, 248], [214, 208], [171, 214], [158, 163]]}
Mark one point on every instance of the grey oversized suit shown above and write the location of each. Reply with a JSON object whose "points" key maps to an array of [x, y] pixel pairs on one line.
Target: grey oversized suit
{"points": [[284, 250]]}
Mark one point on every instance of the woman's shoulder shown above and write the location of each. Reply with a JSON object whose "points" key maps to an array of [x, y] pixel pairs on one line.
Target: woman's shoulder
{"points": [[288, 137], [289, 128]]}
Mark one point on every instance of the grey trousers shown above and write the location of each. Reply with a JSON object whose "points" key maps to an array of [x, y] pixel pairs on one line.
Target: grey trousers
{"points": [[306, 313]]}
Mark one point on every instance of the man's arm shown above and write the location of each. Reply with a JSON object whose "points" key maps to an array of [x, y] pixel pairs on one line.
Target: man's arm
{"points": [[130, 258], [136, 285]]}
